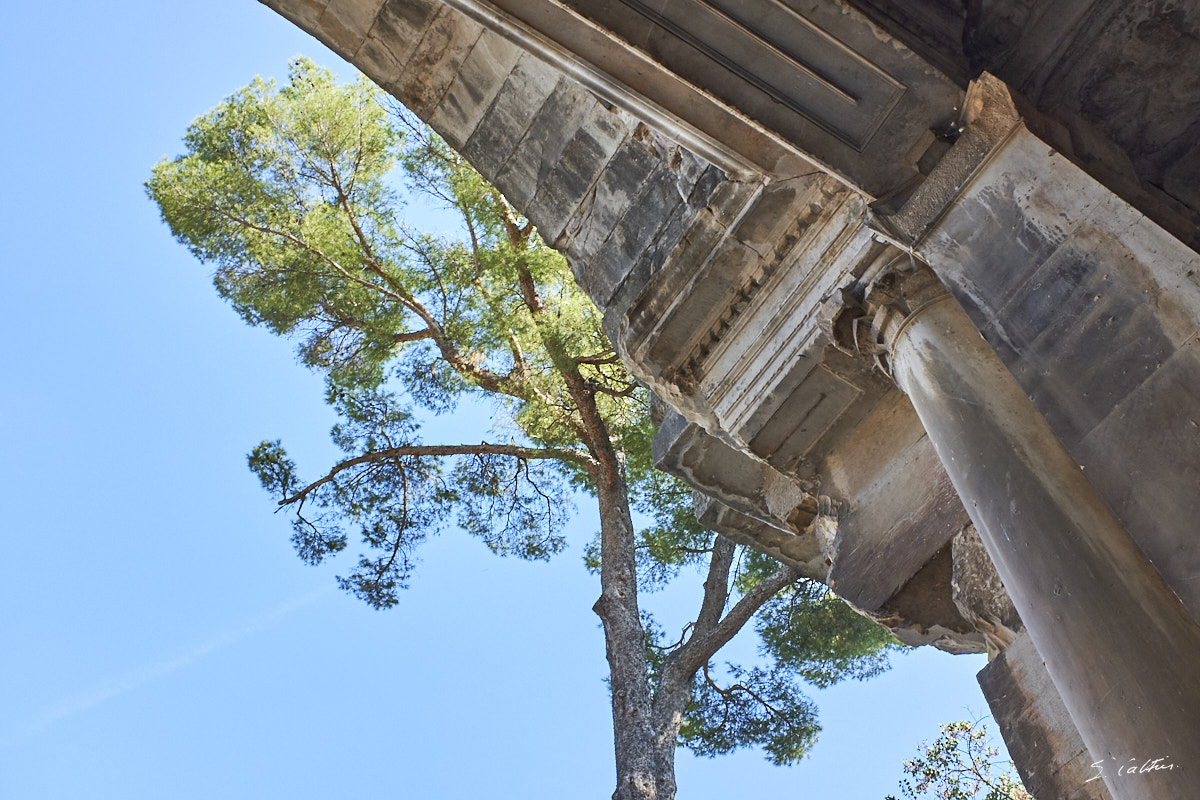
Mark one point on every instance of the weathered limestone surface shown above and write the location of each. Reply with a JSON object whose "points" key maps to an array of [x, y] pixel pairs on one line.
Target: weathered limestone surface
{"points": [[906, 588], [1038, 731], [801, 551], [934, 30], [979, 593], [900, 507], [1125, 69], [599, 185], [923, 611], [1118, 78], [1096, 311], [818, 75], [735, 478]]}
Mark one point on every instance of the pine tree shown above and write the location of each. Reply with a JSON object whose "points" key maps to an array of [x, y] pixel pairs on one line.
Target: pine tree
{"points": [[291, 194]]}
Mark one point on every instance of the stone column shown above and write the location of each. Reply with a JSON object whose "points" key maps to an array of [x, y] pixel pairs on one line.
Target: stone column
{"points": [[1118, 644]]}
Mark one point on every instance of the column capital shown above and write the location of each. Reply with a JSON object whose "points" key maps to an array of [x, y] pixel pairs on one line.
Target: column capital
{"points": [[868, 317]]}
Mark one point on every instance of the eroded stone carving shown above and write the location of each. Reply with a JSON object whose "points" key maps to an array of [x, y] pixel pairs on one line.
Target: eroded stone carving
{"points": [[979, 593]]}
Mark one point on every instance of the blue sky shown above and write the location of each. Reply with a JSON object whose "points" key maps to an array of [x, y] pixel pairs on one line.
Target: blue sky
{"points": [[160, 639]]}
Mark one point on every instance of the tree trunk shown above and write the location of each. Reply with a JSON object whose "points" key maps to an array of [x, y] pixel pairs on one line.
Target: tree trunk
{"points": [[675, 683], [669, 705], [633, 732]]}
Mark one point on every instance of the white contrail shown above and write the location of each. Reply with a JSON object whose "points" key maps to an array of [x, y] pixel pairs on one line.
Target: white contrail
{"points": [[137, 678]]}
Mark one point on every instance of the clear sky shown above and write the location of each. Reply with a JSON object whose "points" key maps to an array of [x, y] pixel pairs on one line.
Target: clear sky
{"points": [[159, 637]]}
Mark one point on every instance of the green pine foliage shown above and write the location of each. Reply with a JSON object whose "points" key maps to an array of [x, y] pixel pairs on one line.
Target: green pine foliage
{"points": [[292, 194]]}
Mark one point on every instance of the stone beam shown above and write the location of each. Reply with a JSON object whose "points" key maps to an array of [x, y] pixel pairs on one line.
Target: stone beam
{"points": [[731, 476], [801, 551], [885, 549]]}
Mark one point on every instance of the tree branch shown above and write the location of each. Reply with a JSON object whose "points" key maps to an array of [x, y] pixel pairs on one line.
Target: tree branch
{"points": [[412, 336], [484, 377], [739, 687], [701, 646], [297, 241], [403, 525], [603, 357], [628, 391], [516, 451], [716, 586]]}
